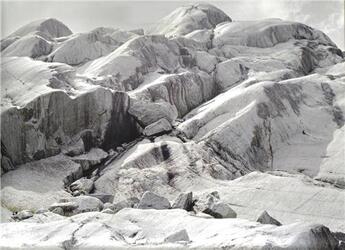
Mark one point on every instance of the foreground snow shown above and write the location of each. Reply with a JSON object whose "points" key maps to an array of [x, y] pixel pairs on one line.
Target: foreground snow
{"points": [[142, 229]]}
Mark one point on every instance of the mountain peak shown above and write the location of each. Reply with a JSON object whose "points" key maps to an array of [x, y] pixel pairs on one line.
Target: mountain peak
{"points": [[188, 18], [50, 26]]}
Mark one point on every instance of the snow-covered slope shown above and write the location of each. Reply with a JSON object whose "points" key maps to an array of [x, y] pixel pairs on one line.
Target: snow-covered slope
{"points": [[84, 47], [265, 33], [142, 229], [189, 18], [251, 109], [268, 125], [50, 26], [34, 39]]}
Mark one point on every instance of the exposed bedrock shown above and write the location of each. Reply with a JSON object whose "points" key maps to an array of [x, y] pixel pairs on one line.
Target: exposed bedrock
{"points": [[54, 121]]}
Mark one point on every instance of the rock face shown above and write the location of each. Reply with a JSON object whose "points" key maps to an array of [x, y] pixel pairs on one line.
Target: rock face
{"points": [[108, 126]]}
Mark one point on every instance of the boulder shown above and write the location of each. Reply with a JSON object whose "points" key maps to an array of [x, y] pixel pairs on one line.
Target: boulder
{"points": [[58, 210], [82, 185], [92, 158], [205, 61], [66, 205], [77, 205], [181, 235], [184, 201], [108, 205], [87, 204], [45, 217], [150, 200], [265, 218], [131, 202], [103, 197], [221, 210], [41, 211], [159, 127], [75, 149], [212, 205], [108, 211], [22, 215]]}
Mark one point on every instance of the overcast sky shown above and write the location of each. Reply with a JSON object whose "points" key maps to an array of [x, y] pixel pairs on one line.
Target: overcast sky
{"points": [[81, 16]]}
